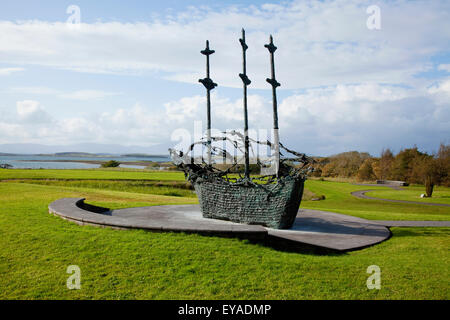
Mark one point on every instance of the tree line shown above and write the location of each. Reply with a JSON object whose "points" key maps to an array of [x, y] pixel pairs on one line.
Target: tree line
{"points": [[409, 165]]}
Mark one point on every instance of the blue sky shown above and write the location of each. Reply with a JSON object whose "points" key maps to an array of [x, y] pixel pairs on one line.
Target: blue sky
{"points": [[108, 10], [128, 74]]}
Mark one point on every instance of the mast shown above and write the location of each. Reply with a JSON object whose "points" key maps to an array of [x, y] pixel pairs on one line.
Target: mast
{"points": [[246, 81], [274, 83], [209, 85]]}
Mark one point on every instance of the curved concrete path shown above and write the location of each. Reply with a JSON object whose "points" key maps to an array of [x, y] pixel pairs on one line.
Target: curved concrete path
{"points": [[413, 223], [362, 195], [312, 228]]}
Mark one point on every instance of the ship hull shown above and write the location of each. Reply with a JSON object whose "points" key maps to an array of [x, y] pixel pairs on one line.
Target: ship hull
{"points": [[272, 205]]}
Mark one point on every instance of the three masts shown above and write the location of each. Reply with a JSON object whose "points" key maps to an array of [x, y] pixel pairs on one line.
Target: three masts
{"points": [[210, 85], [271, 199]]}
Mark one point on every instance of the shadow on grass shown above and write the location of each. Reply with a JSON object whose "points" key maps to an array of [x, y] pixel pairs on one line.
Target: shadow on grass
{"points": [[284, 245], [303, 248]]}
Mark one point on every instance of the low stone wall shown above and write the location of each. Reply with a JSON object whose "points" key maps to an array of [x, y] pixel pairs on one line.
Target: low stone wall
{"points": [[393, 182]]}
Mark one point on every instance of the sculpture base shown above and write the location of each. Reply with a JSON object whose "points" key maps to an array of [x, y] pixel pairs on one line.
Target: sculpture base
{"points": [[271, 205], [312, 228]]}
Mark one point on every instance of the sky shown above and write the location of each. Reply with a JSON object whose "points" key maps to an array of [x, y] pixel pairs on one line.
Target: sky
{"points": [[126, 72]]}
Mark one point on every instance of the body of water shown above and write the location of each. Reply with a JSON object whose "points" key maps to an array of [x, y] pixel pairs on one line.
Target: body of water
{"points": [[45, 162]]}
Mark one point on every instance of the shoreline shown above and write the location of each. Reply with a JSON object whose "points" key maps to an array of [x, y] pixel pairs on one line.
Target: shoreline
{"points": [[99, 162]]}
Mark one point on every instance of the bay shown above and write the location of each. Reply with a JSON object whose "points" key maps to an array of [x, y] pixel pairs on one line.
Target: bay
{"points": [[52, 162]]}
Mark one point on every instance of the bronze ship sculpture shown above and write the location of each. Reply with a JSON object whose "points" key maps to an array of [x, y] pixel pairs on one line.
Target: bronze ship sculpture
{"points": [[271, 198]]}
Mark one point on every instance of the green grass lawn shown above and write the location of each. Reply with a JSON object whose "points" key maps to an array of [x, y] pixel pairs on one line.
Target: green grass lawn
{"points": [[166, 188], [37, 248], [97, 174], [412, 193], [339, 199]]}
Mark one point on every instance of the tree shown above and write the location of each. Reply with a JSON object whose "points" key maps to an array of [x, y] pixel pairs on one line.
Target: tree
{"points": [[383, 168], [318, 164], [345, 164], [425, 172], [110, 164], [443, 165], [431, 170], [365, 171], [329, 170], [402, 167]]}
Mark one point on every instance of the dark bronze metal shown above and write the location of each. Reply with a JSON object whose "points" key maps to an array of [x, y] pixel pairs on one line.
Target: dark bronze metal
{"points": [[274, 83], [271, 199], [209, 85], [246, 81]]}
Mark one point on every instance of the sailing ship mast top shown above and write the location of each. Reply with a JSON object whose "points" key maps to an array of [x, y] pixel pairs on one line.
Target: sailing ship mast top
{"points": [[274, 83], [264, 200], [246, 81], [209, 85]]}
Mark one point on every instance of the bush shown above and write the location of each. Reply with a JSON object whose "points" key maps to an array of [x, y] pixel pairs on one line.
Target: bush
{"points": [[110, 164]]}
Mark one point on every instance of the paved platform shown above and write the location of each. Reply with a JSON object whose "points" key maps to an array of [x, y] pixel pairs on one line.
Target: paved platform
{"points": [[332, 231], [178, 218], [314, 228]]}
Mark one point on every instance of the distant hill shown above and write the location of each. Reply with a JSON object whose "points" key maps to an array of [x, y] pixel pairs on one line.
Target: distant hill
{"points": [[81, 154], [144, 155], [7, 154], [91, 148]]}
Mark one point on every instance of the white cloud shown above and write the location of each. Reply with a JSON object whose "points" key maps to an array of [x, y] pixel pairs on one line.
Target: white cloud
{"points": [[9, 71], [320, 43], [31, 112], [12, 131], [363, 117], [342, 104], [225, 113], [320, 121], [184, 109], [440, 92], [32, 124], [441, 87], [444, 67]]}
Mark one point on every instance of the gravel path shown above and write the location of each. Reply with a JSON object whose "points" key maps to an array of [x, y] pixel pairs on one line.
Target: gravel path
{"points": [[362, 195]]}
